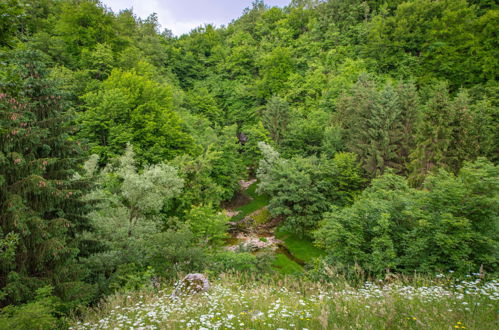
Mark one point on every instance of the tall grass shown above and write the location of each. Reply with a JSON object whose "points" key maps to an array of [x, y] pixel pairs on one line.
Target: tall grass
{"points": [[239, 302]]}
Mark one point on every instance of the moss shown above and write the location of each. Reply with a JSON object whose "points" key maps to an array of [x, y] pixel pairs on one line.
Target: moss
{"points": [[286, 266], [261, 216], [301, 248]]}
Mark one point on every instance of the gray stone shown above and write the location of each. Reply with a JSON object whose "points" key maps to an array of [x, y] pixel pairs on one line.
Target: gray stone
{"points": [[192, 284]]}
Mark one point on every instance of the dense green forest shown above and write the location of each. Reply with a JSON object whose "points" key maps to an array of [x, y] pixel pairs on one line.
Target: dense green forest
{"points": [[366, 129]]}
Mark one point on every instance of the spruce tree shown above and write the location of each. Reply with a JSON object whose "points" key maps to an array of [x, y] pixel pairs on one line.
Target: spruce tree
{"points": [[434, 135], [275, 118], [40, 207], [379, 123], [449, 133]]}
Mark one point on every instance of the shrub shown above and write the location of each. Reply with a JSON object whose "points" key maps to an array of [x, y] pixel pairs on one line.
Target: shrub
{"points": [[207, 225], [302, 189], [227, 261], [38, 314], [451, 224], [172, 252]]}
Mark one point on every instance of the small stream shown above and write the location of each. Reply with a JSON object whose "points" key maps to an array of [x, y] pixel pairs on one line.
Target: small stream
{"points": [[241, 199]]}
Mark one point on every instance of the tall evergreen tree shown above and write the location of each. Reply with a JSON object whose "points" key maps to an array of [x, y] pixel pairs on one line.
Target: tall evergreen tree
{"points": [[379, 124], [40, 209], [449, 133], [433, 136], [276, 118]]}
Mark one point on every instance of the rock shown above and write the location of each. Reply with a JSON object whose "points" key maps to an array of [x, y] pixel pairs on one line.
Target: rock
{"points": [[231, 214], [245, 184], [192, 284], [254, 243]]}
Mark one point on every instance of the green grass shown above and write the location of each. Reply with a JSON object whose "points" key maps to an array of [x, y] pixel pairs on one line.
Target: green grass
{"points": [[301, 248], [285, 266], [239, 302], [257, 203]]}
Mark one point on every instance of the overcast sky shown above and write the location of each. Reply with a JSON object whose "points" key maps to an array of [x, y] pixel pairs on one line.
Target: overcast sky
{"points": [[181, 16]]}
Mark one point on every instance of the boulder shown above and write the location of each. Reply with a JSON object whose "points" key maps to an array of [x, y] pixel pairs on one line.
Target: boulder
{"points": [[192, 284]]}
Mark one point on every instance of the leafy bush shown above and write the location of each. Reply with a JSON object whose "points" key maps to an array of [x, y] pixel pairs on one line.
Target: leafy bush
{"points": [[173, 251], [452, 224], [302, 189], [233, 262], [37, 315], [130, 277], [207, 225]]}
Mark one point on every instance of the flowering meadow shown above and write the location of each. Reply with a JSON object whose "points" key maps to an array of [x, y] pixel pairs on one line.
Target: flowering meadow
{"points": [[289, 303]]}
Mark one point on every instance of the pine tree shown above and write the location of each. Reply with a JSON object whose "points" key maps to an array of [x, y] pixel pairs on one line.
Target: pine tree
{"points": [[434, 135], [409, 117], [379, 123], [276, 118], [448, 135], [40, 208]]}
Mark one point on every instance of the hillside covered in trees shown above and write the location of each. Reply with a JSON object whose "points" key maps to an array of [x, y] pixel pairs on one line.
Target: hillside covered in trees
{"points": [[359, 136]]}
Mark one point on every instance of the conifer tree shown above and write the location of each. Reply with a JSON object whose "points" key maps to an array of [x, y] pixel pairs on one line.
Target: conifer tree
{"points": [[276, 118], [433, 136], [40, 210], [447, 135], [379, 123]]}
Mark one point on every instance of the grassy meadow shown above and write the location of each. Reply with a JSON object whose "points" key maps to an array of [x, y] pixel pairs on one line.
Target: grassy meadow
{"points": [[236, 302]]}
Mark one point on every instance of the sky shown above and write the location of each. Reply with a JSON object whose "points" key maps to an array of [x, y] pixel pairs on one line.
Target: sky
{"points": [[181, 16]]}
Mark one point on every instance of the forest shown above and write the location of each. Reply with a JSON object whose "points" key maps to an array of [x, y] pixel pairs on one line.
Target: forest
{"points": [[346, 146]]}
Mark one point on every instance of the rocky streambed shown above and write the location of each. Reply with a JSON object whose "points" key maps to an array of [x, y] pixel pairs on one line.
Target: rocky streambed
{"points": [[254, 232]]}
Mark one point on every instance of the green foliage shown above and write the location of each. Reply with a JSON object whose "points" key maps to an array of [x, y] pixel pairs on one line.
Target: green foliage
{"points": [[228, 168], [446, 136], [171, 252], [378, 125], [131, 107], [275, 67], [457, 221], [200, 101], [40, 207], [233, 262], [452, 224], [275, 118], [128, 277], [12, 14], [301, 189], [369, 233], [127, 213], [250, 150], [432, 39], [207, 225], [344, 90], [40, 314], [99, 61], [210, 177], [83, 25], [305, 133]]}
